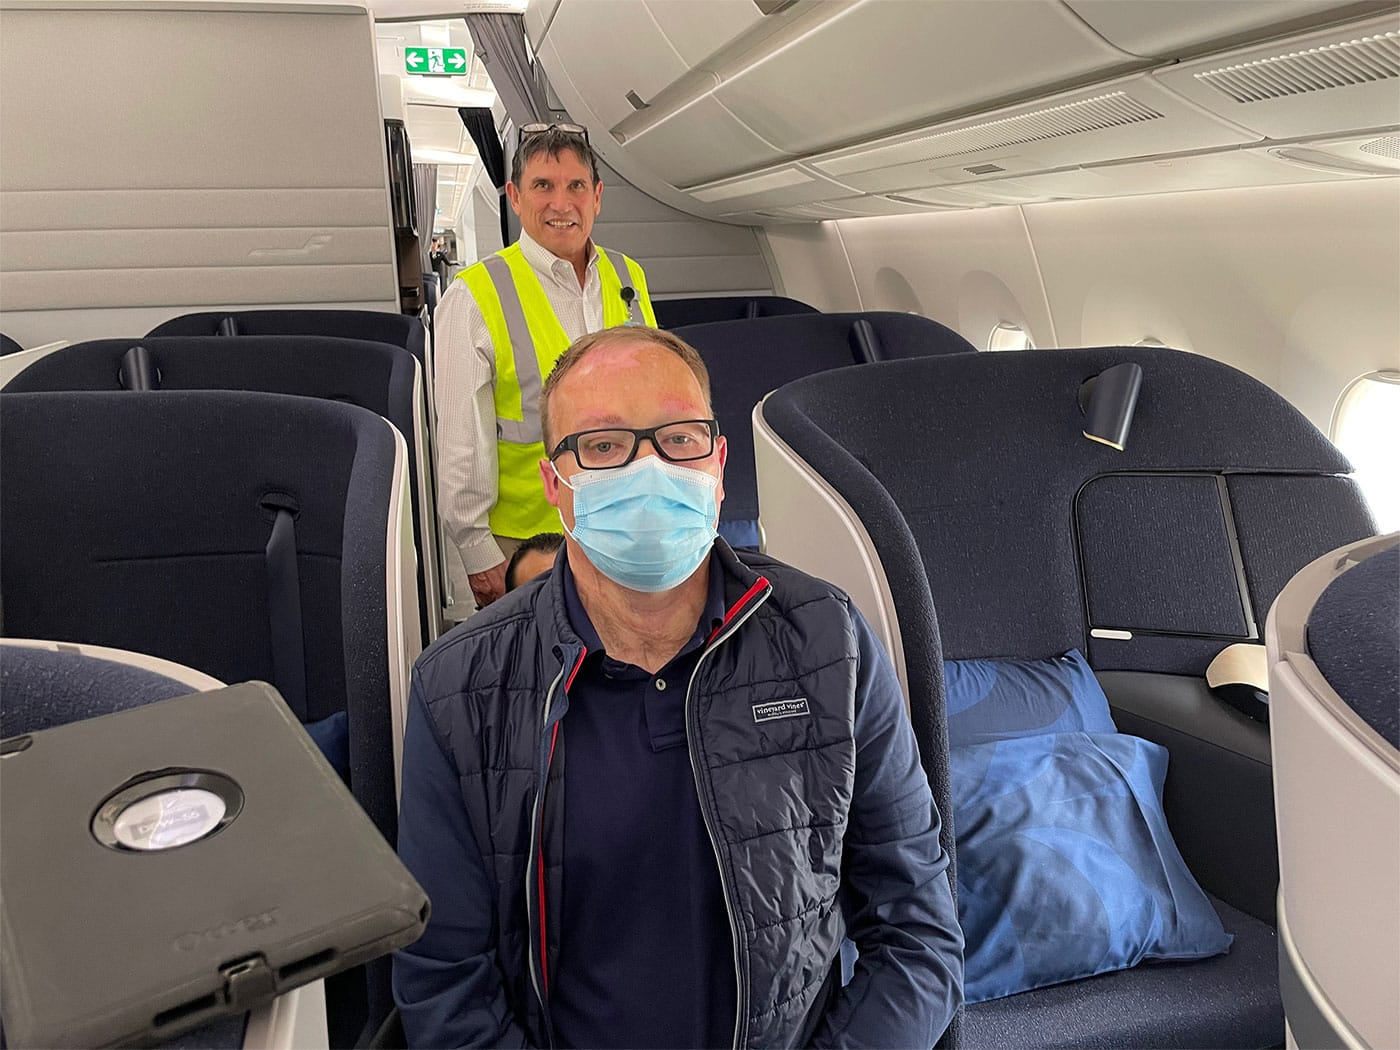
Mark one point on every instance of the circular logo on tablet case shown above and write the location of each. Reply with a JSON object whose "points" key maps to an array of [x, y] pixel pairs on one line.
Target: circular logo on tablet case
{"points": [[166, 810], [171, 818]]}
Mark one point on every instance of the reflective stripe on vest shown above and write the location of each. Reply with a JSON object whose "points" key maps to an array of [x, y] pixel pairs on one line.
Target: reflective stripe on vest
{"points": [[528, 340], [527, 363]]}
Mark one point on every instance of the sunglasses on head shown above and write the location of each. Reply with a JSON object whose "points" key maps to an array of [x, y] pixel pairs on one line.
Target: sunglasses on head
{"points": [[528, 130]]}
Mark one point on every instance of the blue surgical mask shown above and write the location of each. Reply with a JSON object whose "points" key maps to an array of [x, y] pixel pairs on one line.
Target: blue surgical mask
{"points": [[646, 526]]}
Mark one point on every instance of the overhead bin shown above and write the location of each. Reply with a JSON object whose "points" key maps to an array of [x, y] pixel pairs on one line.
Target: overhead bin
{"points": [[699, 144], [1156, 28], [1323, 83], [698, 28], [912, 62], [538, 15], [610, 48]]}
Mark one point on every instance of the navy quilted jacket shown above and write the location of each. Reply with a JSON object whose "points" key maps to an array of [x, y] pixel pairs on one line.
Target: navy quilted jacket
{"points": [[819, 835]]}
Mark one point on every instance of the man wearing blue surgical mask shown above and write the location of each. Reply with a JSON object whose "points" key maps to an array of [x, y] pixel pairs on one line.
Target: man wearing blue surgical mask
{"points": [[652, 792]]}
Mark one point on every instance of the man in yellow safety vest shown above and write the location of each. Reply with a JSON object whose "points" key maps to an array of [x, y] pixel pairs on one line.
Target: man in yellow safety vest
{"points": [[497, 333]]}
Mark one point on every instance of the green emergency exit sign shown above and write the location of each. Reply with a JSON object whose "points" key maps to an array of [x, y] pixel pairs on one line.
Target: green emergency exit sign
{"points": [[435, 61]]}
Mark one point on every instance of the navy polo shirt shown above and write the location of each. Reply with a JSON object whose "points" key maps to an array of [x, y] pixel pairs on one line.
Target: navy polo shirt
{"points": [[645, 954]]}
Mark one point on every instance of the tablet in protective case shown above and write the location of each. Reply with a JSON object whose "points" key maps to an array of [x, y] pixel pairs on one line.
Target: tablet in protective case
{"points": [[168, 864]]}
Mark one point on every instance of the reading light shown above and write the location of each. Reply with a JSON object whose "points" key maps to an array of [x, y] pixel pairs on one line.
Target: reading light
{"points": [[1107, 401]]}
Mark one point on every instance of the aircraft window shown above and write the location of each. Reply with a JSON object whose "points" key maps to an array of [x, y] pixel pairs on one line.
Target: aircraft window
{"points": [[1366, 427], [1008, 336]]}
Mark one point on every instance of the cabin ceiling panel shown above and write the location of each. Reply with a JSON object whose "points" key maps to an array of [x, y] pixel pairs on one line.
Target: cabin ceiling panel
{"points": [[437, 127], [886, 64], [1157, 29], [610, 48], [1328, 82], [698, 28]]}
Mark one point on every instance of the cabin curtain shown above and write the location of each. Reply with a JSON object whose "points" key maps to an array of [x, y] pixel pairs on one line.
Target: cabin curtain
{"points": [[425, 193]]}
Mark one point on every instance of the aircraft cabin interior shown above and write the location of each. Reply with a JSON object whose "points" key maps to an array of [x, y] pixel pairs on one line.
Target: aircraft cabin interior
{"points": [[1063, 336]]}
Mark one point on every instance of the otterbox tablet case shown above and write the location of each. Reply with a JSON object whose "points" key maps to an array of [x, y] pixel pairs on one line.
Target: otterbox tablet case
{"points": [[175, 862]]}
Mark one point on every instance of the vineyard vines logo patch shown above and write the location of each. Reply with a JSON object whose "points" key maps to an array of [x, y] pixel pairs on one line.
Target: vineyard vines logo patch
{"points": [[774, 709]]}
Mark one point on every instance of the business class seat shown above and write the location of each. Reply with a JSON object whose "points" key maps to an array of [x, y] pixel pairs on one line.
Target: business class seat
{"points": [[47, 684], [749, 358], [247, 535], [963, 484], [378, 376], [1334, 698], [672, 313]]}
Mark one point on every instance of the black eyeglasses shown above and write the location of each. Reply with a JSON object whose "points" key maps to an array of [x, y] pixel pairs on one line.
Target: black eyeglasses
{"points": [[678, 442], [529, 130]]}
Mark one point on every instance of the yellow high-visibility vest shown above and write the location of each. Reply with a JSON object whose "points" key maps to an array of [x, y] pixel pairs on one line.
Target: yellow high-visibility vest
{"points": [[528, 340]]}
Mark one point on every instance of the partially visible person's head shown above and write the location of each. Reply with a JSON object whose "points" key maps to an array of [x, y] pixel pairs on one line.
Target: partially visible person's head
{"points": [[621, 339], [555, 189], [532, 557]]}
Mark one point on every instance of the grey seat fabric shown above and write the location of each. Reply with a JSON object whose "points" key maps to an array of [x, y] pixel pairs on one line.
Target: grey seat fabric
{"points": [[373, 375], [8, 345], [980, 497], [45, 688]]}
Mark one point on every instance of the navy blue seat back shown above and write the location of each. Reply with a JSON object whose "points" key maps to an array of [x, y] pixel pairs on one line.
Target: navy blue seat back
{"points": [[1030, 536], [141, 523], [373, 325], [8, 345], [44, 688], [375, 376], [748, 359], [672, 313]]}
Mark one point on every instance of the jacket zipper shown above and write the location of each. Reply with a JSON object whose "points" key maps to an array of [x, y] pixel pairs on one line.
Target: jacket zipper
{"points": [[537, 976], [740, 1004]]}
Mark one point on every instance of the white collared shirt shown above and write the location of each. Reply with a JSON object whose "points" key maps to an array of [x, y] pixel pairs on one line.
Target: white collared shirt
{"points": [[464, 390]]}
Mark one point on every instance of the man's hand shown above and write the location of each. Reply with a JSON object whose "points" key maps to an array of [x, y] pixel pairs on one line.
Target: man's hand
{"points": [[489, 585]]}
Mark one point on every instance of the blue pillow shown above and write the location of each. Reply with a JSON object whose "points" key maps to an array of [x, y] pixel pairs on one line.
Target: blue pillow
{"points": [[1001, 699], [1065, 865], [332, 736]]}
